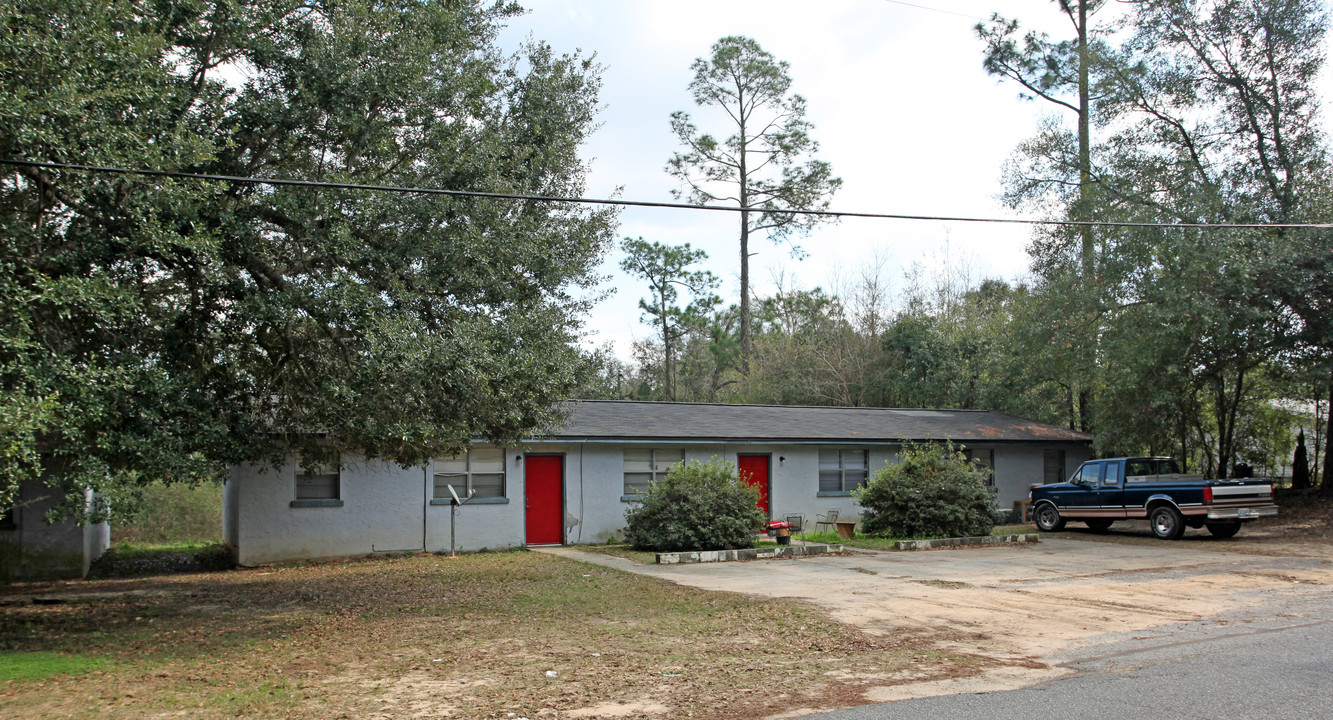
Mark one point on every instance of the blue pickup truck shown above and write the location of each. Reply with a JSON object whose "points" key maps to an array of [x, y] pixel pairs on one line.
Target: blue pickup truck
{"points": [[1103, 491]]}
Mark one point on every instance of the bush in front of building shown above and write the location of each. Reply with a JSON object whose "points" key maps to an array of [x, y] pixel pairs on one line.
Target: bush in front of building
{"points": [[934, 491], [699, 506]]}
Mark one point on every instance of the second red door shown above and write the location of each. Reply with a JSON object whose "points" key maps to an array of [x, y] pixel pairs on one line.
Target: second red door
{"points": [[754, 472]]}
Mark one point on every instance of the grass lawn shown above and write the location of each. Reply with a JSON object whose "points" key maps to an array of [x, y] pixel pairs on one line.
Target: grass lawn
{"points": [[19, 666], [478, 636], [623, 551]]}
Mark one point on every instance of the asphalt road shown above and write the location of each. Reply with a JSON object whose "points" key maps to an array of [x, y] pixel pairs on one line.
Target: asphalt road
{"points": [[1267, 663]]}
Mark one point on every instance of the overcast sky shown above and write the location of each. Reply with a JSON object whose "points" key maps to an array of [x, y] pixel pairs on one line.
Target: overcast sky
{"points": [[901, 108]]}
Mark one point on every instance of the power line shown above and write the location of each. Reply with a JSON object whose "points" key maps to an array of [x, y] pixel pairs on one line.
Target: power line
{"points": [[932, 9], [279, 182]]}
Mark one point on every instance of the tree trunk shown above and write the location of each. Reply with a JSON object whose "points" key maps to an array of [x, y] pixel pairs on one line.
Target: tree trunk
{"points": [[1327, 487], [1234, 410], [1223, 417], [743, 172], [1083, 212], [668, 390], [1315, 466], [1225, 412], [1300, 465], [1183, 432], [746, 345], [1081, 209], [1069, 406]]}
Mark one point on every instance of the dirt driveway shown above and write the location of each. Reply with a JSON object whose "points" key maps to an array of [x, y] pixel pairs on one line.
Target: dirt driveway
{"points": [[1033, 606]]}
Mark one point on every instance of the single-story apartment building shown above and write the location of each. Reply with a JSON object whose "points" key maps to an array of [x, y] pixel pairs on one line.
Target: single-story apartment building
{"points": [[574, 486], [33, 549]]}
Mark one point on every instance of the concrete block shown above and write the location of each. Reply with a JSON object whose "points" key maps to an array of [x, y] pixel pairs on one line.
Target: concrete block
{"points": [[684, 558], [967, 541]]}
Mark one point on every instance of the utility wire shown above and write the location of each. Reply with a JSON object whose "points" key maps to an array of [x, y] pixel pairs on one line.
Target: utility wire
{"points": [[643, 203], [932, 9]]}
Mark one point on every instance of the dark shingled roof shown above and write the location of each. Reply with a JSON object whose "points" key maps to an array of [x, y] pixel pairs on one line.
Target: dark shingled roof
{"points": [[628, 420]]}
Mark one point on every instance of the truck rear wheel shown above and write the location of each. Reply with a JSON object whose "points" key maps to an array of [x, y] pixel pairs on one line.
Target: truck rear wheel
{"points": [[1099, 525], [1223, 530], [1167, 522], [1048, 518]]}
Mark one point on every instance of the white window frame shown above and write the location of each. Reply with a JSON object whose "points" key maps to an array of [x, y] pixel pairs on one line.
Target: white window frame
{"points": [[983, 459], [313, 486], [842, 470], [660, 466], [469, 477]]}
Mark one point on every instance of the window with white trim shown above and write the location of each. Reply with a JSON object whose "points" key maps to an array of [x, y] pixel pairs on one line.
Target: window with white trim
{"points": [[648, 465], [843, 470], [479, 472], [983, 459], [322, 482]]}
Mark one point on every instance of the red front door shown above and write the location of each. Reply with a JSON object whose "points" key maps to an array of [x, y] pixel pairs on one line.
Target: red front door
{"points": [[754, 472], [544, 480]]}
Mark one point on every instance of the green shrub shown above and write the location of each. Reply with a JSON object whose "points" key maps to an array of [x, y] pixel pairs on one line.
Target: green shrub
{"points": [[933, 491], [699, 506]]}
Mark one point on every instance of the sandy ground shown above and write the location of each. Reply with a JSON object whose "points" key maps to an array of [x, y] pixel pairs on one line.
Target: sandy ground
{"points": [[1029, 607]]}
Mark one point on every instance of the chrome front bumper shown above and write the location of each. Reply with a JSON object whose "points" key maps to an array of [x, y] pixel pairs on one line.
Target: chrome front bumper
{"points": [[1244, 513]]}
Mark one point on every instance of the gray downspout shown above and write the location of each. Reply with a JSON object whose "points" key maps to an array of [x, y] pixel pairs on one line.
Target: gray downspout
{"points": [[425, 504]]}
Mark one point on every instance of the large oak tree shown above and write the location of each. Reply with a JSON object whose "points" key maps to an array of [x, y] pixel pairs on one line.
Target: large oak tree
{"points": [[157, 329]]}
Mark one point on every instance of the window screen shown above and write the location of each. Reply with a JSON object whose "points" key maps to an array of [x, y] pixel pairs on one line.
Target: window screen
{"points": [[843, 470], [648, 465], [320, 483], [479, 472]]}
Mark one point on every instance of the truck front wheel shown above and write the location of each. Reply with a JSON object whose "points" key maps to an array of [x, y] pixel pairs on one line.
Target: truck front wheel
{"points": [[1223, 530], [1048, 518], [1167, 523]]}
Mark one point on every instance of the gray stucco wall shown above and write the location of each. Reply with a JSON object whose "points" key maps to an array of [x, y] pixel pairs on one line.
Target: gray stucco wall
{"points": [[485, 524], [37, 550], [231, 518], [96, 540], [381, 510], [386, 508]]}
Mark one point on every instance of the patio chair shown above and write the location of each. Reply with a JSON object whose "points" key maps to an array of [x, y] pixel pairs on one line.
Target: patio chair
{"points": [[830, 518], [797, 523]]}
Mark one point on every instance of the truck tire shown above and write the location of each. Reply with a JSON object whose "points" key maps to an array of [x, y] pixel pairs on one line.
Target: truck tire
{"points": [[1223, 531], [1099, 525], [1166, 522], [1048, 518]]}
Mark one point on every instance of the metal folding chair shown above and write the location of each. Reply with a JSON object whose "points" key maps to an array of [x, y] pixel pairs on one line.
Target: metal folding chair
{"points": [[829, 518]]}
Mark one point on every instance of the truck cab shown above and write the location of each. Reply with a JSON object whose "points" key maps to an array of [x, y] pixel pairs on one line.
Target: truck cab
{"points": [[1103, 491]]}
